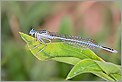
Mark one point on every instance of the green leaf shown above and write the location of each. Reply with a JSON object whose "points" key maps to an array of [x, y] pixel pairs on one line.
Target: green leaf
{"points": [[108, 67], [58, 49], [68, 60], [105, 70], [85, 60]]}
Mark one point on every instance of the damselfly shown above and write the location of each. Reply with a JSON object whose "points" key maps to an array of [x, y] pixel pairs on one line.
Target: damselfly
{"points": [[83, 42]]}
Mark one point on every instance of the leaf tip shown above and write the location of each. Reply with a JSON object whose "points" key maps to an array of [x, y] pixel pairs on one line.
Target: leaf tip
{"points": [[20, 33], [67, 78]]}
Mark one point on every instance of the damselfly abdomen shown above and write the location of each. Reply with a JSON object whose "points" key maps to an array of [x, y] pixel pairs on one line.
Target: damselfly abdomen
{"points": [[83, 42]]}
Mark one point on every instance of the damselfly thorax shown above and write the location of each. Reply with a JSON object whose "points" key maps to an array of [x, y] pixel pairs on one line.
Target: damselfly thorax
{"points": [[83, 42]]}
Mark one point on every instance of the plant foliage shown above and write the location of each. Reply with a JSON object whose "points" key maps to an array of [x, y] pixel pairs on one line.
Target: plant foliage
{"points": [[84, 60]]}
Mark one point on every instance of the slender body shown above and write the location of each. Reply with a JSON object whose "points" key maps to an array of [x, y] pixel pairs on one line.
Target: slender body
{"points": [[83, 42]]}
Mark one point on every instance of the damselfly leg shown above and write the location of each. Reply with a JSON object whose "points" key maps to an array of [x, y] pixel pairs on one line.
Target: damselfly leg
{"points": [[37, 45], [41, 40], [47, 39], [43, 47], [31, 43]]}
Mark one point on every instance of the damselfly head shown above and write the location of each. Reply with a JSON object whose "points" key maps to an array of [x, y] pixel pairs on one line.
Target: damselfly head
{"points": [[32, 32]]}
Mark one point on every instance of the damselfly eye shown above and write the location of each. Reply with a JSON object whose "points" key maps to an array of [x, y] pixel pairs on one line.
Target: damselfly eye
{"points": [[32, 32]]}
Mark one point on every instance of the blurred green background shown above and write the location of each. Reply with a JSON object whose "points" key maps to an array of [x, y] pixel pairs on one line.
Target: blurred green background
{"points": [[97, 20]]}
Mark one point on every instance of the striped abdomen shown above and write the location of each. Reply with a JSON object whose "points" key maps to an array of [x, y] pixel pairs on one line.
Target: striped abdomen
{"points": [[86, 43]]}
